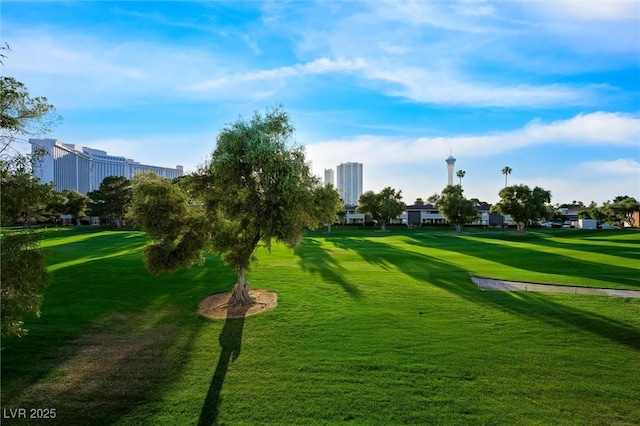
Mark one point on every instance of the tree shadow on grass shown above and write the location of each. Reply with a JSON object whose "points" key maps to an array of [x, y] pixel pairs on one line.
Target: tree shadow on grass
{"points": [[529, 259], [623, 249], [626, 248], [377, 257], [231, 343], [317, 260], [536, 306]]}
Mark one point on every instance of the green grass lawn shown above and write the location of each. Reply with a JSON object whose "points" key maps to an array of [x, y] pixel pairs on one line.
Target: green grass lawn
{"points": [[371, 328]]}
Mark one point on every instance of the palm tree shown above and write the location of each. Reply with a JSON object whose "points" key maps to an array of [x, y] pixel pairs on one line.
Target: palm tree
{"points": [[460, 174], [506, 170]]}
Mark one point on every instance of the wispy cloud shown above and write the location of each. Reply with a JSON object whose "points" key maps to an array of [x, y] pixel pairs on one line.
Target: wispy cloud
{"points": [[317, 66], [445, 88]]}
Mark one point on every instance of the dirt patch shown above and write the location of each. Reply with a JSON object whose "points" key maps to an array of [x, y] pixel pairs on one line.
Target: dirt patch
{"points": [[102, 375], [217, 305]]}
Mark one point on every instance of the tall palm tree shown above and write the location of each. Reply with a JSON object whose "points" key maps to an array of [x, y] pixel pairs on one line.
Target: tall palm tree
{"points": [[506, 171], [460, 174]]}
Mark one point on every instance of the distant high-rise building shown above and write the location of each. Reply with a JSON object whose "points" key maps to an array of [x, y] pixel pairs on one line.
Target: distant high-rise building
{"points": [[329, 177], [84, 169], [450, 162], [350, 182]]}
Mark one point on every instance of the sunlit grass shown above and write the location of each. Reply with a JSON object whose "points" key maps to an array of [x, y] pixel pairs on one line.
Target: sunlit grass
{"points": [[371, 328]]}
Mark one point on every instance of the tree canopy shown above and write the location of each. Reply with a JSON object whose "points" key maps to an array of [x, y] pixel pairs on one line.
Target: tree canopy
{"points": [[454, 206], [24, 274], [382, 206], [326, 204], [506, 171], [621, 209], [256, 188], [24, 196], [76, 204], [112, 199], [523, 204], [20, 114]]}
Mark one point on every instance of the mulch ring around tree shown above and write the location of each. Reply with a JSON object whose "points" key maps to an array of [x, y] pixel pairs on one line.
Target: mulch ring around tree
{"points": [[217, 305]]}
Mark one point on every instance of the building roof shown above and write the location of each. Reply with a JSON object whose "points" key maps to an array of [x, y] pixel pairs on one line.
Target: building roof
{"points": [[415, 207]]}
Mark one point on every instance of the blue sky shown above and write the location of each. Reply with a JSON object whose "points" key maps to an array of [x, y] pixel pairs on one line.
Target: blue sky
{"points": [[549, 88]]}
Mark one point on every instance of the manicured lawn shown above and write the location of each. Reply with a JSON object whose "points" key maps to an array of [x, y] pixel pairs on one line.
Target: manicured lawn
{"points": [[371, 328]]}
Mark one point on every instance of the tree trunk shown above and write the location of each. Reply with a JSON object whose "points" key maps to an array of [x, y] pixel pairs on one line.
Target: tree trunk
{"points": [[520, 226], [458, 228], [78, 221], [240, 294], [383, 227], [328, 228]]}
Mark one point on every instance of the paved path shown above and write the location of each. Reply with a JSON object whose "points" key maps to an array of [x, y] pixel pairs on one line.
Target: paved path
{"points": [[499, 285]]}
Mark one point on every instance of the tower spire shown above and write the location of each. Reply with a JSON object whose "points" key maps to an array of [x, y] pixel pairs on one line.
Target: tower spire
{"points": [[450, 163]]}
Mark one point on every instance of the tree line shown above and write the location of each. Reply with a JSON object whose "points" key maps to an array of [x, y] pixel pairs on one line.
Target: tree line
{"points": [[27, 200], [525, 205]]}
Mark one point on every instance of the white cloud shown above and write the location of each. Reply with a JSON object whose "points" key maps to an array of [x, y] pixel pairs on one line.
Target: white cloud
{"points": [[317, 66], [621, 166], [445, 88], [599, 128]]}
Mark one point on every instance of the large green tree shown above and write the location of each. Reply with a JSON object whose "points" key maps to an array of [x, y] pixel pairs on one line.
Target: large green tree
{"points": [[112, 199], [382, 206], [56, 207], [326, 204], [523, 204], [621, 209], [76, 204], [454, 206], [256, 188]]}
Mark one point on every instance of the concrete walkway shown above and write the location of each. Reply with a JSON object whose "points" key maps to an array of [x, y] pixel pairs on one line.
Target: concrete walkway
{"points": [[498, 285]]}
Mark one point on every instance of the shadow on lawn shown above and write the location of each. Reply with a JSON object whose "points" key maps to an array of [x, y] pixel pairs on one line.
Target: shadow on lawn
{"points": [[529, 259], [94, 247], [317, 260], [579, 241], [452, 278], [231, 342]]}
